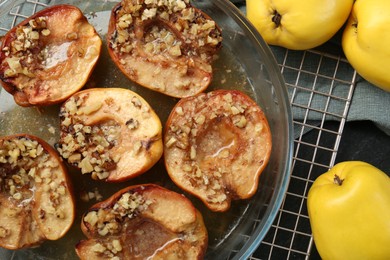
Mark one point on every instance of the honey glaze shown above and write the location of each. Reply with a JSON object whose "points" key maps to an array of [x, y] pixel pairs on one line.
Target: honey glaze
{"points": [[55, 54], [217, 142], [146, 238]]}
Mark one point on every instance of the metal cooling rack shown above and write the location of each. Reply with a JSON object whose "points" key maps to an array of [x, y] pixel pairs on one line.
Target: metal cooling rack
{"points": [[317, 83], [320, 86]]}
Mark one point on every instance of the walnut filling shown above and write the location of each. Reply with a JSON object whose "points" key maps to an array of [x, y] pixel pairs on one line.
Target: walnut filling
{"points": [[204, 138], [87, 147], [24, 164], [110, 220], [192, 33], [108, 249], [160, 40], [24, 54]]}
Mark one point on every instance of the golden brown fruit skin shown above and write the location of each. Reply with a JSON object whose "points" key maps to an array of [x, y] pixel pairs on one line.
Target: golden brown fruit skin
{"points": [[143, 221], [216, 145], [44, 60], [112, 133], [36, 195], [166, 48]]}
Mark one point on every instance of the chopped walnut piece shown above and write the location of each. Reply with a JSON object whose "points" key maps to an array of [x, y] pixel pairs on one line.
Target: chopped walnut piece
{"points": [[4, 232]]}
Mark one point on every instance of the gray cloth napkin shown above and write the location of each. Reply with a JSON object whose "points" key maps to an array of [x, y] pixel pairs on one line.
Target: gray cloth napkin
{"points": [[368, 102]]}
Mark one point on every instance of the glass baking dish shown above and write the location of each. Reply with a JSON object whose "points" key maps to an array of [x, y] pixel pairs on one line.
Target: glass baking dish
{"points": [[245, 63]]}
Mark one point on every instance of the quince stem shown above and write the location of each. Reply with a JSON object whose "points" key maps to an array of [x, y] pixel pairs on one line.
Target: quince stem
{"points": [[276, 18], [337, 180]]}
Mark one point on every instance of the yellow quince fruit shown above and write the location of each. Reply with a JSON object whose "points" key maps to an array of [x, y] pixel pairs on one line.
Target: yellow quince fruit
{"points": [[349, 212], [366, 41], [298, 24]]}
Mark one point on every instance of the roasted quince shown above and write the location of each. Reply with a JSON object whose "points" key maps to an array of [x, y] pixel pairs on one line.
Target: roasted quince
{"points": [[143, 222], [36, 195], [166, 46], [49, 56], [216, 145]]}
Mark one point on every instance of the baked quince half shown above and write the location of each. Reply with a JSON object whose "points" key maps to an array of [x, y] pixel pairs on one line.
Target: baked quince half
{"points": [[166, 46], [36, 195], [111, 133], [216, 145], [49, 56], [143, 222]]}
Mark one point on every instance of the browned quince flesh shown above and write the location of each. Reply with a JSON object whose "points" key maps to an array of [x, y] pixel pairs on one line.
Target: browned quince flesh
{"points": [[143, 222], [49, 56], [166, 46], [36, 198], [111, 133], [216, 145]]}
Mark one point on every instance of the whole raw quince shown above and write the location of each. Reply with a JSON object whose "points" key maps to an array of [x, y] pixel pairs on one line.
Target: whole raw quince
{"points": [[349, 212], [298, 24], [366, 41]]}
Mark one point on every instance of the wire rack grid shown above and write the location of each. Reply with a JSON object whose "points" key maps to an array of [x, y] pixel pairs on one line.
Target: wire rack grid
{"points": [[320, 86]]}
